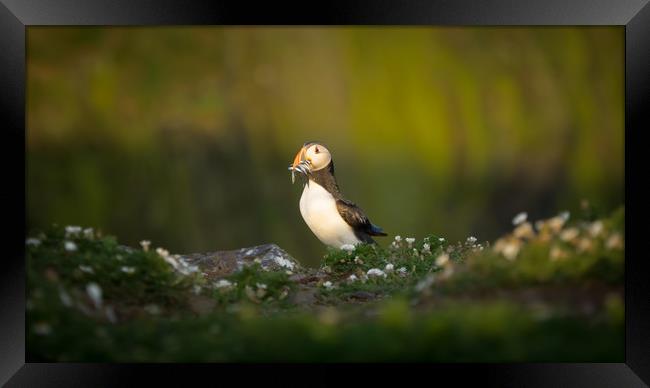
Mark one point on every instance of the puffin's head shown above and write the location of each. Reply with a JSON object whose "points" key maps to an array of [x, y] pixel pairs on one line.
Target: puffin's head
{"points": [[313, 156]]}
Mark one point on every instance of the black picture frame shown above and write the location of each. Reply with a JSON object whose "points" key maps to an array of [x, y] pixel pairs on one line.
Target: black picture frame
{"points": [[16, 15]]}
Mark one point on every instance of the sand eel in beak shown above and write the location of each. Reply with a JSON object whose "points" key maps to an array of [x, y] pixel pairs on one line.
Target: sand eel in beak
{"points": [[333, 219]]}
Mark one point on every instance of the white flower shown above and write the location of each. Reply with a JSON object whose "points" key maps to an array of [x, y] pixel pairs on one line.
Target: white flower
{"points": [[70, 246], [327, 284], [88, 233], [128, 270], [357, 260], [72, 230], [569, 234], [260, 285], [95, 293], [596, 228], [282, 262], [389, 267], [376, 272], [441, 239], [42, 328], [511, 250], [223, 283], [33, 242], [145, 245], [86, 268], [410, 240], [442, 259], [162, 252], [564, 215], [347, 247], [426, 248], [402, 270], [352, 277], [520, 218], [471, 239], [398, 238]]}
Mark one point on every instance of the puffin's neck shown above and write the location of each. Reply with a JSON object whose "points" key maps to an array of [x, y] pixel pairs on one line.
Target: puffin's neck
{"points": [[325, 177]]}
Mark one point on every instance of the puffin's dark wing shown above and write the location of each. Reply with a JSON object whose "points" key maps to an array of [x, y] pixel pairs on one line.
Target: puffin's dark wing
{"points": [[354, 216]]}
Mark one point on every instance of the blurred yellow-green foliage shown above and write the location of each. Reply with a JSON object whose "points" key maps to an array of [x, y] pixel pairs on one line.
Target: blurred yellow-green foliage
{"points": [[183, 135]]}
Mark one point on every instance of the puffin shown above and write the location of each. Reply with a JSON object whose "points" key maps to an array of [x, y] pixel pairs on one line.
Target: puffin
{"points": [[336, 221]]}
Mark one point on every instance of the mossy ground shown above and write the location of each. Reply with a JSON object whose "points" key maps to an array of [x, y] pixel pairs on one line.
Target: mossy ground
{"points": [[552, 292]]}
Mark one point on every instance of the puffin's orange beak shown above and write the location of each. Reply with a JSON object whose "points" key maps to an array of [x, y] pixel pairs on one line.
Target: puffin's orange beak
{"points": [[298, 157]]}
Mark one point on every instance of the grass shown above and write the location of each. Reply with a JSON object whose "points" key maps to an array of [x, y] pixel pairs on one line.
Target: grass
{"points": [[552, 292]]}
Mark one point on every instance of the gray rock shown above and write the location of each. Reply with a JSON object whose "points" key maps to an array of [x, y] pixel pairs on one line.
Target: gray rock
{"points": [[215, 265]]}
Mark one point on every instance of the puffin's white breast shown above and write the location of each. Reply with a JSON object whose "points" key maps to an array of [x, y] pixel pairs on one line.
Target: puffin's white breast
{"points": [[318, 209]]}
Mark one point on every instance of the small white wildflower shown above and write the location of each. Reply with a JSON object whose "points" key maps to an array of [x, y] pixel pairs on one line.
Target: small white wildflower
{"points": [[72, 230], [89, 233], [569, 234], [615, 241], [389, 267], [95, 293], [86, 268], [288, 272], [426, 248], [375, 272], [172, 261], [34, 242], [352, 278], [261, 285], [402, 270], [398, 238], [520, 218], [257, 260], [65, 298], [596, 228], [357, 260], [129, 270], [511, 250], [145, 245], [223, 283], [442, 259], [410, 240], [162, 252], [471, 240], [565, 215], [282, 262], [347, 247], [70, 246], [327, 284], [441, 239], [42, 328]]}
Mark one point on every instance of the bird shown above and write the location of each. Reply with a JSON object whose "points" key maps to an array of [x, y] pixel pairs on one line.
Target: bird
{"points": [[336, 221]]}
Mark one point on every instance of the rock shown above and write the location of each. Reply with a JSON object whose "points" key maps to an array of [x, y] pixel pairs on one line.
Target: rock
{"points": [[215, 265]]}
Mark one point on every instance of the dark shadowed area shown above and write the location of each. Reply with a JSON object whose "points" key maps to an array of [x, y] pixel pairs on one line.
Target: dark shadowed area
{"points": [[183, 135]]}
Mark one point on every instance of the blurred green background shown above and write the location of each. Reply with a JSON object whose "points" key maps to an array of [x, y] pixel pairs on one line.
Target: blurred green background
{"points": [[183, 135]]}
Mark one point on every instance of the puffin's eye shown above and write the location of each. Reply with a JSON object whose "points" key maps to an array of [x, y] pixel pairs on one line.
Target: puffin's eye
{"points": [[317, 150]]}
